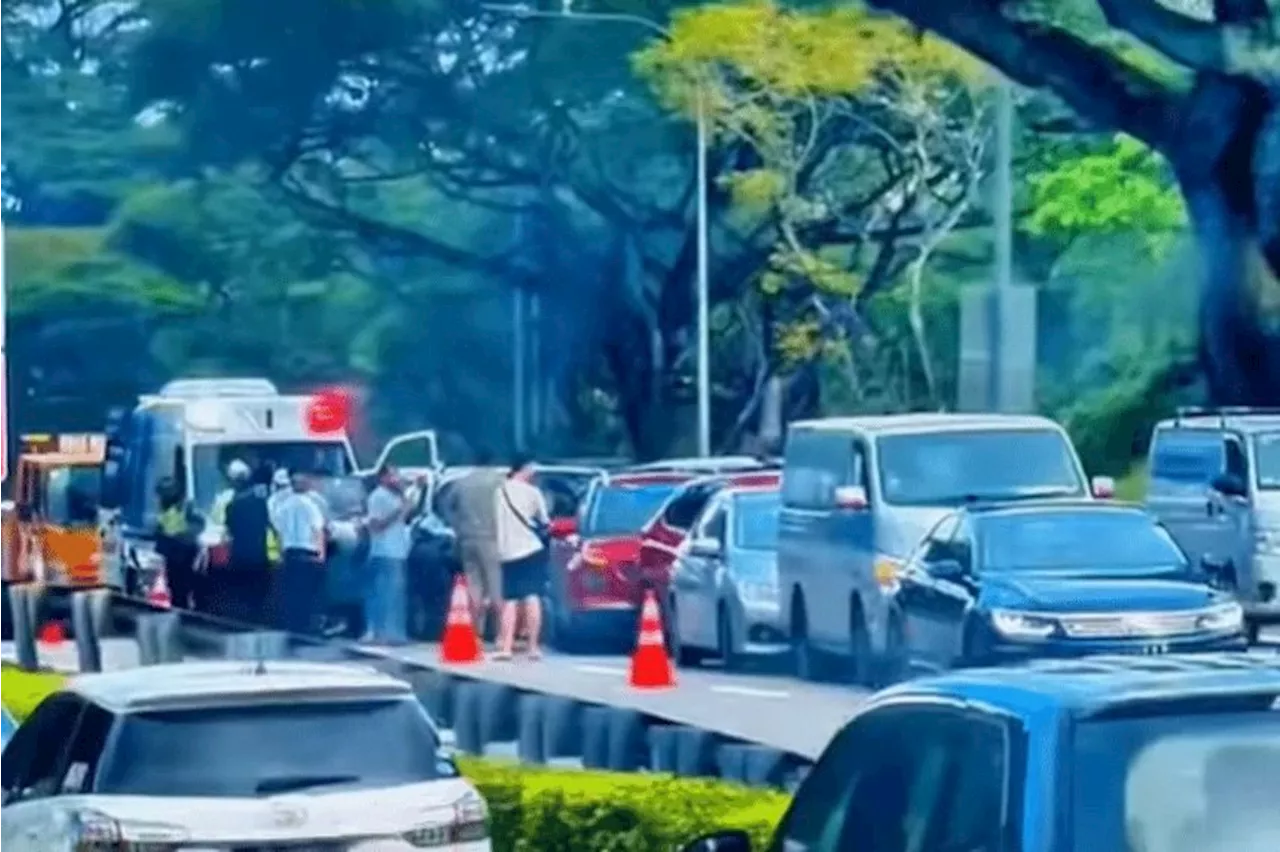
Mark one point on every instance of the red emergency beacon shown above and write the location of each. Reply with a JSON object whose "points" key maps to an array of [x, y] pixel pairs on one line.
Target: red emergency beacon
{"points": [[328, 412]]}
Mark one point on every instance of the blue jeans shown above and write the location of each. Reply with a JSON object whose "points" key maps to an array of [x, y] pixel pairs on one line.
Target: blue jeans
{"points": [[384, 600]]}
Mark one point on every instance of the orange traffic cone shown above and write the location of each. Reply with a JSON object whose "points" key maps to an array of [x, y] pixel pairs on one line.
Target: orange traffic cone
{"points": [[460, 644], [650, 666], [158, 595], [52, 633]]}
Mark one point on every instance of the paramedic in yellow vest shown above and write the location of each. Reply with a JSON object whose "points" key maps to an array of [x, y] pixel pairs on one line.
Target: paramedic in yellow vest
{"points": [[177, 530]]}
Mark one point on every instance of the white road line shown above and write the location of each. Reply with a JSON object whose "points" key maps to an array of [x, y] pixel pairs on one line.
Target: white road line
{"points": [[751, 691], [612, 671]]}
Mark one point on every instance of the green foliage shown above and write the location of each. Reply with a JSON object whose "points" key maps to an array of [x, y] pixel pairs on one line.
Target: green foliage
{"points": [[1121, 187], [547, 810]]}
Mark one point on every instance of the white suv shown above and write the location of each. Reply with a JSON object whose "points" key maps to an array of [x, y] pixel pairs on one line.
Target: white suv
{"points": [[236, 757]]}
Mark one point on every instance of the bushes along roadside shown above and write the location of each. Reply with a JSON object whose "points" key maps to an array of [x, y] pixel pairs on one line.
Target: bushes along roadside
{"points": [[535, 809]]}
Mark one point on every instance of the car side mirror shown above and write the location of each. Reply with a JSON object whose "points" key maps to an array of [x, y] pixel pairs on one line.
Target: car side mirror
{"points": [[721, 841], [1103, 487], [851, 498], [563, 527], [946, 569], [706, 546], [1229, 485]]}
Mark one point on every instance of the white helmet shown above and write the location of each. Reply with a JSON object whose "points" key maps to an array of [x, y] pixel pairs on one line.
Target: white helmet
{"points": [[280, 479], [237, 470]]}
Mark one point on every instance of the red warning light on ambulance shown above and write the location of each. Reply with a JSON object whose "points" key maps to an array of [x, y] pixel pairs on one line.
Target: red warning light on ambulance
{"points": [[328, 412]]}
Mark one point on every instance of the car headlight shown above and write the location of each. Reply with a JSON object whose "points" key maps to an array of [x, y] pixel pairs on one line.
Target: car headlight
{"points": [[1267, 542], [1022, 625], [1224, 618]]}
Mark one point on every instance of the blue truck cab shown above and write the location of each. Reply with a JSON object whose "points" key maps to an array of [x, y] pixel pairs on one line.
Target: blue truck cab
{"points": [[1102, 754]]}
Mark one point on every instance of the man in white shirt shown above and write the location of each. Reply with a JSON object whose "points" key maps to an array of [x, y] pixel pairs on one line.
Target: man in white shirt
{"points": [[300, 580], [522, 519]]}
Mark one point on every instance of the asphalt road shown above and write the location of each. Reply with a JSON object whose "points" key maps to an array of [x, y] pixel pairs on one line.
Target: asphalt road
{"points": [[751, 707], [754, 708]]}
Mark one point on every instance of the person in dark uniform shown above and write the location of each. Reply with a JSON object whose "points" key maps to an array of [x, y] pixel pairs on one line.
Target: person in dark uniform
{"points": [[177, 531], [245, 583]]}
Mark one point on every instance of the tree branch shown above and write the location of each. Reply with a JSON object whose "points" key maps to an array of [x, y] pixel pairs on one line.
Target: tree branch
{"points": [[1089, 78]]}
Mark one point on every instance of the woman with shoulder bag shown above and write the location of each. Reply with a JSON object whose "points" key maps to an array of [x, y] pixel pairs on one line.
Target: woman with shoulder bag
{"points": [[523, 538]]}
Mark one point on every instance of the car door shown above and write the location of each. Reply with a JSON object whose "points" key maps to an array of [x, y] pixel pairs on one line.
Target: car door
{"points": [[1234, 512], [702, 570], [919, 598], [33, 768], [911, 777], [1184, 461], [415, 453]]}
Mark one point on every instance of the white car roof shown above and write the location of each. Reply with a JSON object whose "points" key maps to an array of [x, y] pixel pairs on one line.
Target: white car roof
{"points": [[889, 424], [203, 684]]}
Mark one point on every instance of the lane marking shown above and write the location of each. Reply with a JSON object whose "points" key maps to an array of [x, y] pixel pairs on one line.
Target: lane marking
{"points": [[612, 671], [750, 691]]}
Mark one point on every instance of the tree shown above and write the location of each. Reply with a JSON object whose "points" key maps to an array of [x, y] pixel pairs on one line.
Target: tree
{"points": [[1218, 124], [858, 150]]}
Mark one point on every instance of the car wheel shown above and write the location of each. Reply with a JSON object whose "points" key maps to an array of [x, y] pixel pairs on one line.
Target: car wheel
{"points": [[1252, 632], [807, 661], [973, 648], [862, 659], [681, 654], [556, 631], [896, 665], [729, 657]]}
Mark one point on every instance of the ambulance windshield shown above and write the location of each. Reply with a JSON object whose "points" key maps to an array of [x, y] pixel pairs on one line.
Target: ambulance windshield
{"points": [[209, 462]]}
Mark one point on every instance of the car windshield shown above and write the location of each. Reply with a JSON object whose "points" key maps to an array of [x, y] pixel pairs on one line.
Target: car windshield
{"points": [[625, 509], [1187, 782], [74, 492], [755, 521], [249, 751], [210, 463], [1266, 453], [948, 468], [1076, 541]]}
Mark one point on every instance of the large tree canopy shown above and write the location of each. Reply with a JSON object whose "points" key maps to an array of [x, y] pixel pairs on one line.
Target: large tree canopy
{"points": [[1218, 124]]}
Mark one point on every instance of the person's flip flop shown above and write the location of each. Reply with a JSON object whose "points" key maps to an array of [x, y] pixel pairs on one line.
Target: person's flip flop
{"points": [[535, 655], [501, 657]]}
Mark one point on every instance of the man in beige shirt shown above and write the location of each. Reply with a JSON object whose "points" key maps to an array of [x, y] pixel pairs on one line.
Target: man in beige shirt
{"points": [[469, 509]]}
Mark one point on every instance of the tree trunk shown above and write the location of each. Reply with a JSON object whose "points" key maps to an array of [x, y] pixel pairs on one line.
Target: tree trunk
{"points": [[1225, 163]]}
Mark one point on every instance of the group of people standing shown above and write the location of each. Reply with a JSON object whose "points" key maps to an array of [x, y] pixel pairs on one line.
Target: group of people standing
{"points": [[277, 540], [502, 524]]}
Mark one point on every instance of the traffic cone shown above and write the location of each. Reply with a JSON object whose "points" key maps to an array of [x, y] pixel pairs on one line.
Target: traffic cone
{"points": [[158, 595], [460, 644], [52, 633], [650, 666]]}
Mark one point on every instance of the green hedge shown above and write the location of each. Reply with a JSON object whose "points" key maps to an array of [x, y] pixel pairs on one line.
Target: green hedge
{"points": [[535, 809]]}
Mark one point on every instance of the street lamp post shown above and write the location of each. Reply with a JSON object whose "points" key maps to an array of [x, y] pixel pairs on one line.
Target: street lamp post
{"points": [[703, 295]]}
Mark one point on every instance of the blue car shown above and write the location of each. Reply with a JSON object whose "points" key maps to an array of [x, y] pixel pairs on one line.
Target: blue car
{"points": [[1105, 754], [1051, 578], [7, 727]]}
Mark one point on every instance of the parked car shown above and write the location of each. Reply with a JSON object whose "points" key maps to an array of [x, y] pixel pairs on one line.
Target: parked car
{"points": [[597, 585], [565, 487], [723, 599], [858, 493], [1005, 582], [1215, 483], [669, 528], [706, 465], [235, 755], [1123, 754]]}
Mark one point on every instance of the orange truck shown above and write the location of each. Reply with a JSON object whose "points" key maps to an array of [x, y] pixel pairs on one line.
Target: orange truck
{"points": [[51, 530]]}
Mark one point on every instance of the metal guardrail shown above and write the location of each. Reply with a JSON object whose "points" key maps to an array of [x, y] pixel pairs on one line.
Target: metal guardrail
{"points": [[481, 713]]}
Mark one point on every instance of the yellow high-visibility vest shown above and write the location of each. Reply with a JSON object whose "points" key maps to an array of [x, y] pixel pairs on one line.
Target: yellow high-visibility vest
{"points": [[173, 521]]}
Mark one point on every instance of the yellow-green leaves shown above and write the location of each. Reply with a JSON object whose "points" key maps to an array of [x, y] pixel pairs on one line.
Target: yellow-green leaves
{"points": [[791, 54], [1122, 187]]}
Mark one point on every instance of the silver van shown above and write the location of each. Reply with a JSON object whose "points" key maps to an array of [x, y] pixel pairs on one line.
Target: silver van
{"points": [[1215, 485], [858, 493]]}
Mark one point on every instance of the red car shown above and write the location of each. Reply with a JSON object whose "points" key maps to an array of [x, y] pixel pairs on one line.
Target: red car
{"points": [[597, 583], [667, 530]]}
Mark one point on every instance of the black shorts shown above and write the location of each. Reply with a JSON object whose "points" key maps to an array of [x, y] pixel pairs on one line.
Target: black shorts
{"points": [[525, 577]]}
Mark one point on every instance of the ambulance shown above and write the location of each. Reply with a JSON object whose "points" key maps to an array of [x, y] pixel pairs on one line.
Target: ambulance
{"points": [[190, 432]]}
